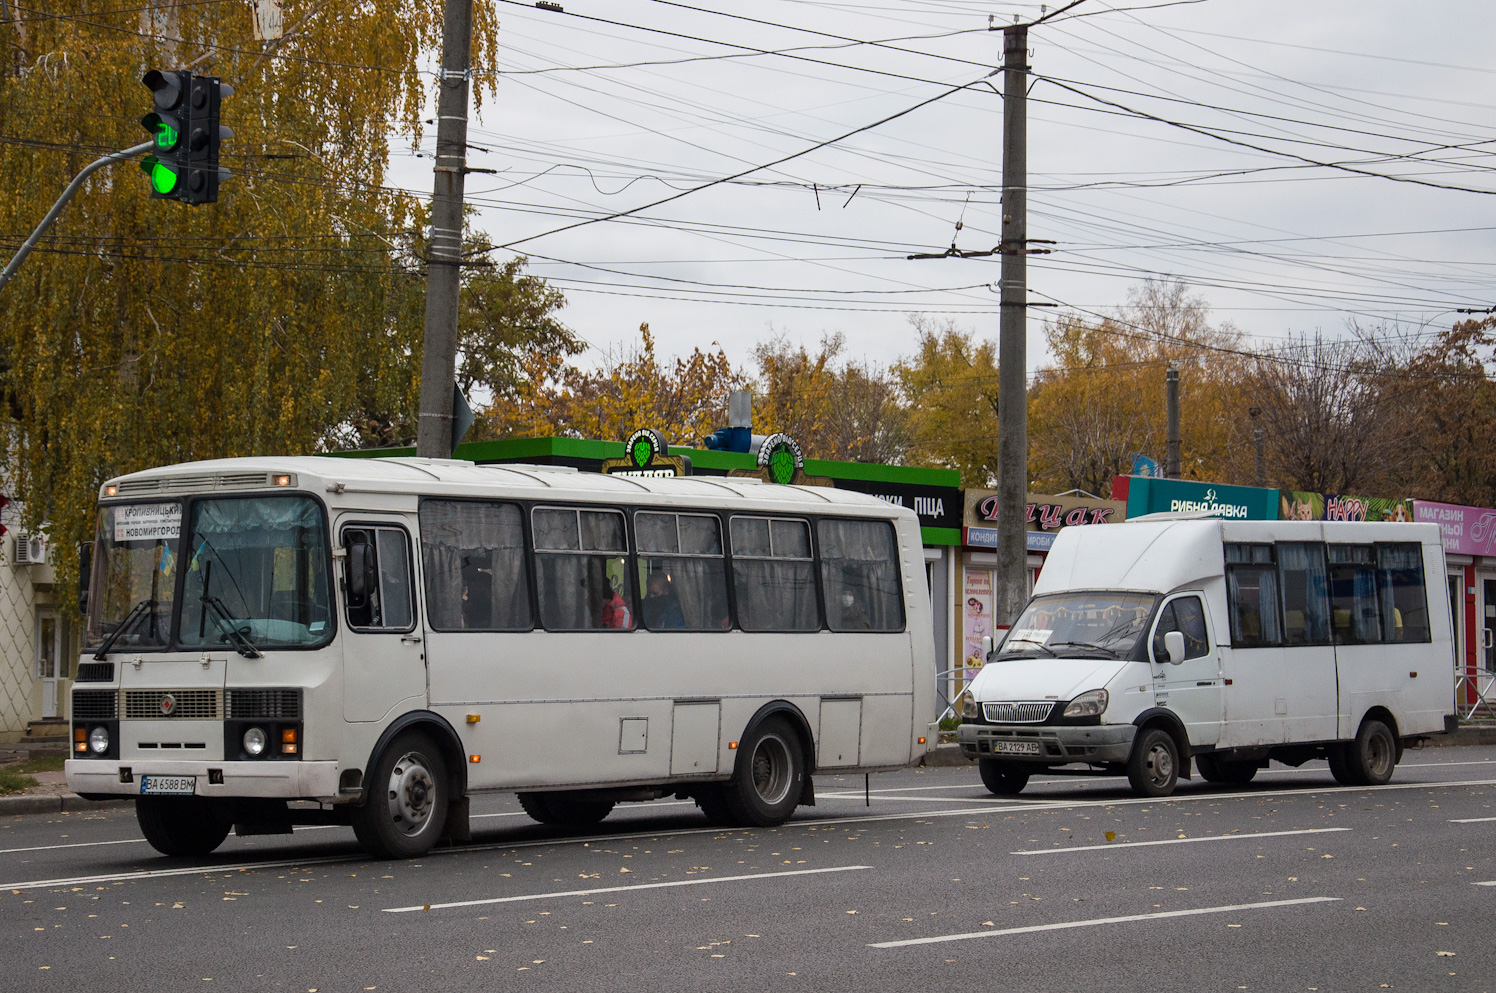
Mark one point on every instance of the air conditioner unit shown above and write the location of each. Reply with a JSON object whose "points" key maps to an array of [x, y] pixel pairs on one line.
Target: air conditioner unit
{"points": [[30, 549]]}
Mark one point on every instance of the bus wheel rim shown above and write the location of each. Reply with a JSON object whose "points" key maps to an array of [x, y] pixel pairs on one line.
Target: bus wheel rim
{"points": [[771, 769], [412, 794]]}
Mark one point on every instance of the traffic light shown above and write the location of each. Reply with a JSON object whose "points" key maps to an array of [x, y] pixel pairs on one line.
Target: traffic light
{"points": [[185, 127]]}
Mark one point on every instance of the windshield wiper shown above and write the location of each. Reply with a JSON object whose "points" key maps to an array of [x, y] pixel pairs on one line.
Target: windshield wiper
{"points": [[136, 613], [1086, 644], [1034, 644], [225, 621]]}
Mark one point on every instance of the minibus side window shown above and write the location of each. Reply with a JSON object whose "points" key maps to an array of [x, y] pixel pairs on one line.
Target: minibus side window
{"points": [[1354, 614], [477, 572], [682, 572], [1252, 596], [580, 570], [1403, 601], [773, 575], [1187, 616], [860, 574], [1306, 593], [386, 604]]}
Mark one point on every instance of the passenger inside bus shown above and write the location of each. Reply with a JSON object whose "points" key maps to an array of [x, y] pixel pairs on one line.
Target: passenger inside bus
{"points": [[661, 606]]}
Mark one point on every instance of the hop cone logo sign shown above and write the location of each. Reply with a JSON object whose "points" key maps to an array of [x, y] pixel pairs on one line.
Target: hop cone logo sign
{"points": [[641, 451], [782, 465]]}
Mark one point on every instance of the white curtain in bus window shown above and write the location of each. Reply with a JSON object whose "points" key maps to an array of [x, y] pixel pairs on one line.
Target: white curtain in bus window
{"points": [[1252, 596], [1400, 582], [580, 558], [682, 572], [774, 575], [860, 575], [477, 572], [258, 566], [1353, 595], [1306, 595]]}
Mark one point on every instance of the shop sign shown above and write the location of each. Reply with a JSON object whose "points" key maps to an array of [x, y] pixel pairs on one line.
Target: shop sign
{"points": [[1034, 541], [936, 506], [645, 454], [1301, 506], [976, 614], [780, 461], [1184, 496], [1465, 530], [1046, 513]]}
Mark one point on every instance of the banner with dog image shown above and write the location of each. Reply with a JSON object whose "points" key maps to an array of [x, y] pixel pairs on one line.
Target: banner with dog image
{"points": [[1301, 506]]}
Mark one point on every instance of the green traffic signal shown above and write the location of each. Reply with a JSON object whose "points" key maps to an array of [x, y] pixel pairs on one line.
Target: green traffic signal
{"points": [[163, 176]]}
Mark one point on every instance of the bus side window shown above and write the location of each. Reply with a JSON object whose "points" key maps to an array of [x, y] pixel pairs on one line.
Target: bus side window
{"points": [[580, 559], [1400, 585], [476, 564], [384, 602], [1187, 616], [1306, 596], [1252, 596], [1353, 595], [682, 572], [860, 575], [774, 575]]}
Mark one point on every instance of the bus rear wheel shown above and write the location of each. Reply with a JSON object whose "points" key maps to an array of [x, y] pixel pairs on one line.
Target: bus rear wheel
{"points": [[564, 809], [181, 826], [406, 808], [1002, 778], [770, 774], [1372, 756], [1237, 772]]}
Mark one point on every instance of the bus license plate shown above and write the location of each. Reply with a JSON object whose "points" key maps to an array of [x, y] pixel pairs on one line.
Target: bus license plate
{"points": [[1016, 747], [168, 785]]}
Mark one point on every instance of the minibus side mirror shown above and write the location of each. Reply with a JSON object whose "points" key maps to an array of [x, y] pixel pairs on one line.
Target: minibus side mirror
{"points": [[986, 646], [360, 568], [1174, 646], [85, 573]]}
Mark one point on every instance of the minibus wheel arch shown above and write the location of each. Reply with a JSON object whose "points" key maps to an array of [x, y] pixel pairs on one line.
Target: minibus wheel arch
{"points": [[1385, 716], [801, 727], [1168, 720], [441, 734]]}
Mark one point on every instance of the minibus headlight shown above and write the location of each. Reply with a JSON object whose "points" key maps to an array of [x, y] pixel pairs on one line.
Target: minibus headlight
{"points": [[968, 706], [98, 740], [254, 741], [1092, 703]]}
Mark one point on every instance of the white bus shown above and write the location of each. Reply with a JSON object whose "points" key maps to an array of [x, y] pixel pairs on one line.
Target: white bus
{"points": [[1156, 642], [387, 637]]}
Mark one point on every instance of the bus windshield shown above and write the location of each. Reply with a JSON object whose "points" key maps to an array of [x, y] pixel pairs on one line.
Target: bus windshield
{"points": [[135, 574], [256, 575], [1066, 625]]}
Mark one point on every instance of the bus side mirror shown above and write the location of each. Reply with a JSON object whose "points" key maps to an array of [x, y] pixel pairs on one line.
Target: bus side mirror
{"points": [[1174, 646], [359, 570], [986, 645], [85, 573]]}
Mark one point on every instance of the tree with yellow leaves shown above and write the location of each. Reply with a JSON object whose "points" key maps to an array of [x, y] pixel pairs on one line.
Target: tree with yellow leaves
{"points": [[950, 385]]}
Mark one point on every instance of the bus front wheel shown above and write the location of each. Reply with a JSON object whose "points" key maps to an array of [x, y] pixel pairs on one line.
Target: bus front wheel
{"points": [[181, 826], [406, 809], [770, 774]]}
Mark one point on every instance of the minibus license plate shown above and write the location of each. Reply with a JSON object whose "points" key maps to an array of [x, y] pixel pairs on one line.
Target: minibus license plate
{"points": [[168, 785], [1016, 747]]}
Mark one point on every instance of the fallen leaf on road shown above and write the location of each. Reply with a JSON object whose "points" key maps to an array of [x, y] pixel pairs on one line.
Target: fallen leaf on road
{"points": [[1448, 955], [1111, 836]]}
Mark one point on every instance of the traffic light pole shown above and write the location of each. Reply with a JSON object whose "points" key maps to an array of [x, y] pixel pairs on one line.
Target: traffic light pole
{"points": [[67, 194], [444, 249]]}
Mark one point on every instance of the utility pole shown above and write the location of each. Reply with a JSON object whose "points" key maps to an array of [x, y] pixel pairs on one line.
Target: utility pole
{"points": [[1257, 438], [444, 248], [1012, 379], [1171, 467]]}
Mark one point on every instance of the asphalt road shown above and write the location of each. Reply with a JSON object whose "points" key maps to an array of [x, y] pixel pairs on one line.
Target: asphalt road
{"points": [[1293, 883]]}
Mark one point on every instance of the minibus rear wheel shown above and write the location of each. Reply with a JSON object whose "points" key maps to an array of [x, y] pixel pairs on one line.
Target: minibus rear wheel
{"points": [[406, 807], [1002, 778], [1372, 756], [181, 826], [1214, 769], [1153, 767], [563, 809], [769, 776]]}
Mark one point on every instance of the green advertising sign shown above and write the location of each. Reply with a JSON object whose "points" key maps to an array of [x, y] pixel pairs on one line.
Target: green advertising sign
{"points": [[1184, 496]]}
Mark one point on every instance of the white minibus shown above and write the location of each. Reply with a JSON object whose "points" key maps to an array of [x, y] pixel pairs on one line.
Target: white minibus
{"points": [[1173, 639], [386, 637]]}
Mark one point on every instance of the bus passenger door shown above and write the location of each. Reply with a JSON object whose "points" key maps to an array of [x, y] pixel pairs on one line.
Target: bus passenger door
{"points": [[384, 663], [1192, 688]]}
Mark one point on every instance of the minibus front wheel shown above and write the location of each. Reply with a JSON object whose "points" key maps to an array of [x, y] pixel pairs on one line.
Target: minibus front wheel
{"points": [[181, 826], [1002, 778], [1153, 767], [406, 808]]}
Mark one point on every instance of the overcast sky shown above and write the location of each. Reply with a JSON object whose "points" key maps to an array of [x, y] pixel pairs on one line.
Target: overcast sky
{"points": [[613, 105]]}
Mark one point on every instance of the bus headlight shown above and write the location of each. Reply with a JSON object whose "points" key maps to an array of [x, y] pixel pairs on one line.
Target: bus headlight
{"points": [[98, 740], [970, 711], [254, 741], [1092, 703]]}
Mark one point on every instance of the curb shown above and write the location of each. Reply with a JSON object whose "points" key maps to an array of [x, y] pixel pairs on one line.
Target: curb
{"points": [[53, 803]]}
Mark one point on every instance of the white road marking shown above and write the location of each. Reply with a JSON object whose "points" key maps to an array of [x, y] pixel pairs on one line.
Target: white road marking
{"points": [[78, 844], [1057, 804], [1491, 882], [1471, 820], [1065, 925], [622, 889], [1177, 841]]}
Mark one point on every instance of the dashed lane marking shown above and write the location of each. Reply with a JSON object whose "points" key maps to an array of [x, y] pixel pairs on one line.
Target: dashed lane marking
{"points": [[1178, 841], [1099, 921]]}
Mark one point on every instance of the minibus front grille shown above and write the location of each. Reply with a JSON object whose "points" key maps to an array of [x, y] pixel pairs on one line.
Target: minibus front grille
{"points": [[149, 705], [94, 705], [264, 704], [1018, 713]]}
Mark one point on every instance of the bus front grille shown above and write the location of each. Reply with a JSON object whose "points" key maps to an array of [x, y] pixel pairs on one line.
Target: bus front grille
{"points": [[153, 705], [256, 705], [94, 705]]}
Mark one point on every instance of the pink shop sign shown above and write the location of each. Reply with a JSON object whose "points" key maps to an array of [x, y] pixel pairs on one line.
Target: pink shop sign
{"points": [[1466, 530]]}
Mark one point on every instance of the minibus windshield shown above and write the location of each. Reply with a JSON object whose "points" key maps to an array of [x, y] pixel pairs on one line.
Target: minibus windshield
{"points": [[135, 575], [1067, 625]]}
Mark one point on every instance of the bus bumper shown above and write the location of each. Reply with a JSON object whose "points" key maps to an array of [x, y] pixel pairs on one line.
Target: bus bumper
{"points": [[283, 780], [1046, 745]]}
